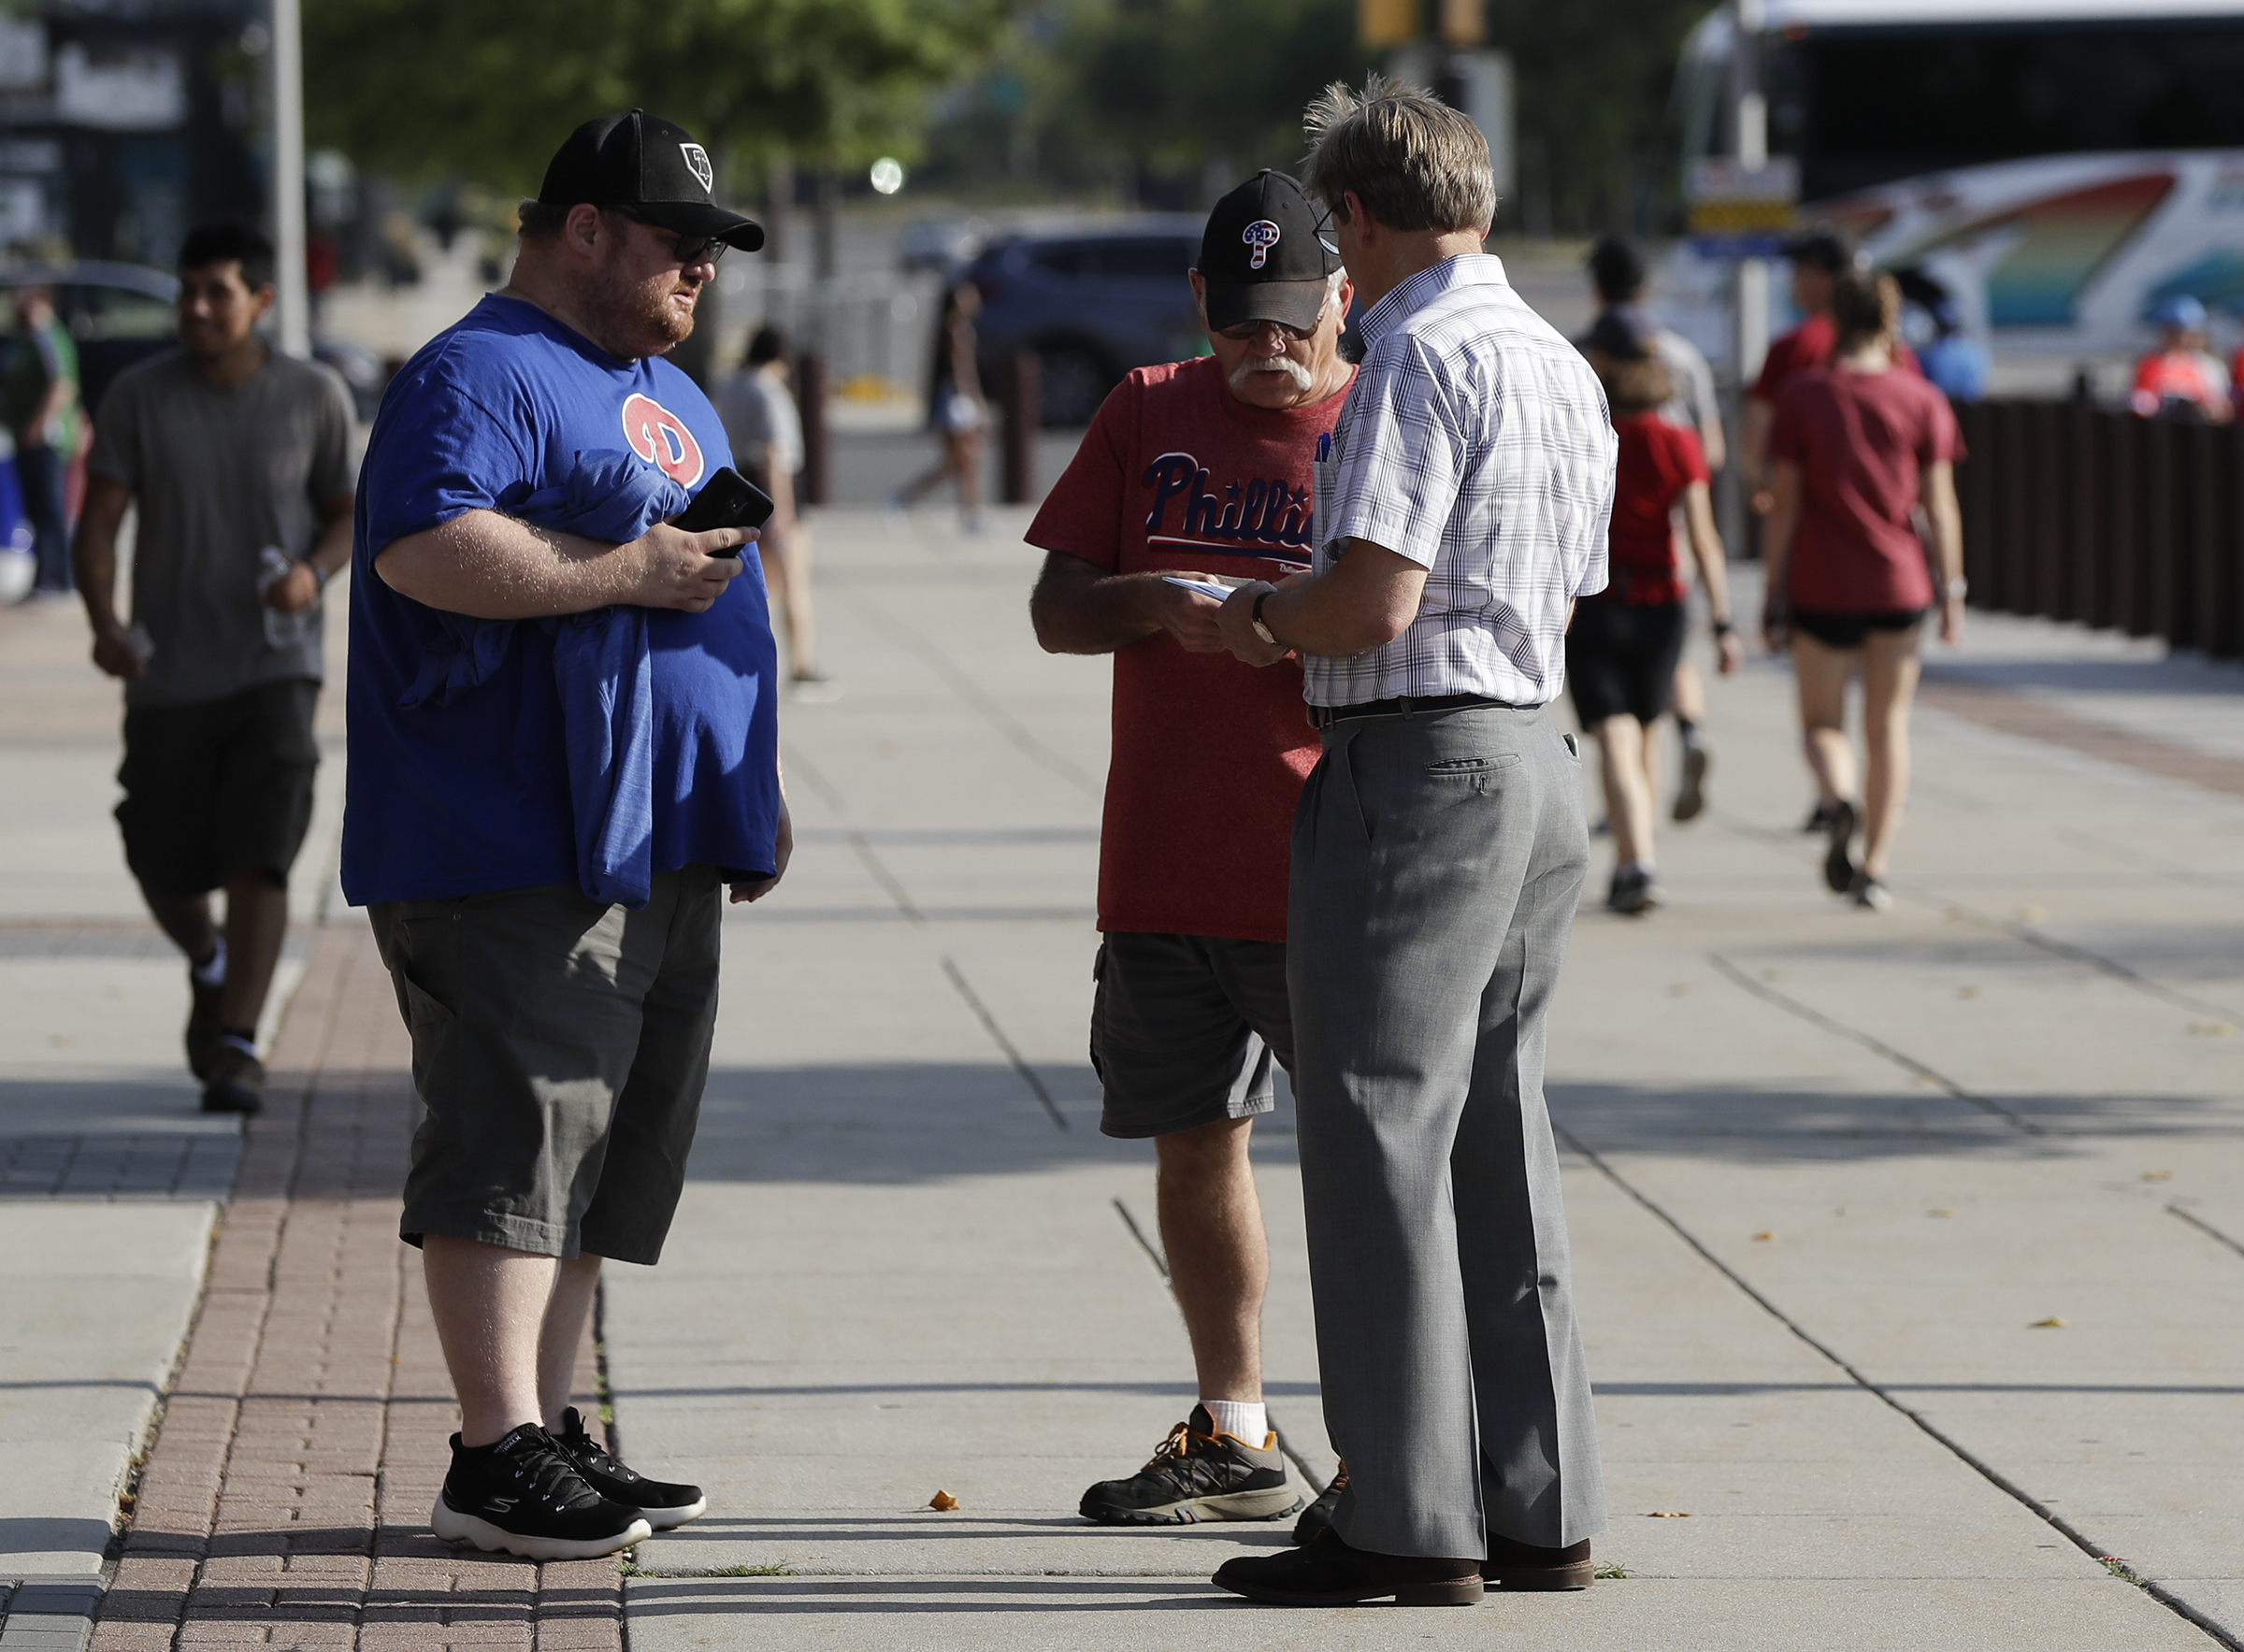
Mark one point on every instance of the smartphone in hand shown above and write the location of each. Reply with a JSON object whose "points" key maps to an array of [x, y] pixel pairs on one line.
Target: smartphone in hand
{"points": [[726, 499]]}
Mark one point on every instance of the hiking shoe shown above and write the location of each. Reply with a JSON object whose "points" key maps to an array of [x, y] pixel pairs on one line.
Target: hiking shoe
{"points": [[660, 1503], [1632, 893], [1328, 1572], [1817, 821], [1197, 1475], [202, 1025], [1838, 865], [524, 1496], [1517, 1566], [1868, 892], [1317, 1518], [1691, 797], [236, 1082]]}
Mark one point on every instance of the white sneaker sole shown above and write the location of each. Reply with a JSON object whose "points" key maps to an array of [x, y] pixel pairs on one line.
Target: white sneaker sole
{"points": [[664, 1519], [454, 1527]]}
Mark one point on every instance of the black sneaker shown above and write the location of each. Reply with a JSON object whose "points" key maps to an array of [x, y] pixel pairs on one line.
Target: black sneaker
{"points": [[1633, 893], [524, 1497], [1838, 863], [1817, 821], [1691, 797], [1318, 1517], [1197, 1475], [236, 1082], [202, 1025], [660, 1503]]}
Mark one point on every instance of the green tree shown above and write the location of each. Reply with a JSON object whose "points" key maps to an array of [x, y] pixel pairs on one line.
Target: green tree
{"points": [[481, 90]]}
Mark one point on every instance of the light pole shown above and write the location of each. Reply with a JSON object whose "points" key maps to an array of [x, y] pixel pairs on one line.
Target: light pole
{"points": [[293, 295], [1749, 117]]}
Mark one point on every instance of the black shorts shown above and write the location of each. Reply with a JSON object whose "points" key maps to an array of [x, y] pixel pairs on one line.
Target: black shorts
{"points": [[1620, 658], [217, 788], [1183, 1030], [1849, 630]]}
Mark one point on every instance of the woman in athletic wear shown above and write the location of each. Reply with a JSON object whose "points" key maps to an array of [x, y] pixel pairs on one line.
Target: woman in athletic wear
{"points": [[1858, 446], [956, 410], [1622, 647]]}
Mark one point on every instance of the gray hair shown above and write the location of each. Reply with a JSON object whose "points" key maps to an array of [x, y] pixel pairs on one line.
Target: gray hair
{"points": [[1414, 161]]}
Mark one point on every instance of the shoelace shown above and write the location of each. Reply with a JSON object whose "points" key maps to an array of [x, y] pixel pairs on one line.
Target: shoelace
{"points": [[543, 1468], [589, 1453], [1182, 1442]]}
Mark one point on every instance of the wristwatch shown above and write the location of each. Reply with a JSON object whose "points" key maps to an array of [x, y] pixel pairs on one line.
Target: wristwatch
{"points": [[1255, 618], [1958, 588]]}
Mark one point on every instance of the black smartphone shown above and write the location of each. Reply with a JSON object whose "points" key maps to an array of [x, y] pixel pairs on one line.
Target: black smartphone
{"points": [[726, 499]]}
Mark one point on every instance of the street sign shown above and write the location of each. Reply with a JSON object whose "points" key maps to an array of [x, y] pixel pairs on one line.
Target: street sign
{"points": [[1741, 211]]}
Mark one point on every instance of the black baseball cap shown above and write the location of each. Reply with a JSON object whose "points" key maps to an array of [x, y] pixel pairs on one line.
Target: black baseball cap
{"points": [[1624, 333], [651, 166], [1266, 256]]}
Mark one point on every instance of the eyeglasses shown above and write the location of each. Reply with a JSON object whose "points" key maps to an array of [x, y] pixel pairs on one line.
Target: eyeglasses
{"points": [[1247, 331], [688, 251]]}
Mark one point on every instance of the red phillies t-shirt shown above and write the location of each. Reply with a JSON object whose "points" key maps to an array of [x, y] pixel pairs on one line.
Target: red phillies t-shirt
{"points": [[1658, 461], [1862, 441], [1209, 754], [1809, 345]]}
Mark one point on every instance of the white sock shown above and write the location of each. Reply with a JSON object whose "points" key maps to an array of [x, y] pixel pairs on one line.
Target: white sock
{"points": [[1241, 1419], [237, 1042], [212, 972]]}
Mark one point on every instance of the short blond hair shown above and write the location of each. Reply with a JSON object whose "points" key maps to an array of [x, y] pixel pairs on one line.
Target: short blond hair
{"points": [[1414, 161]]}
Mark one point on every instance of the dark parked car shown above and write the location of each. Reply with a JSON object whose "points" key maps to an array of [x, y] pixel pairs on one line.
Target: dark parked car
{"points": [[119, 313], [1092, 303]]}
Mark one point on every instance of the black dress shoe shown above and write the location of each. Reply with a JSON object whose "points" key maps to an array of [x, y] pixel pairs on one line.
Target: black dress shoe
{"points": [[1522, 1566], [1328, 1572]]}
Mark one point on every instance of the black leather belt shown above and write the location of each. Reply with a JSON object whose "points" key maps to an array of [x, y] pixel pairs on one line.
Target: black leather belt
{"points": [[1404, 706]]}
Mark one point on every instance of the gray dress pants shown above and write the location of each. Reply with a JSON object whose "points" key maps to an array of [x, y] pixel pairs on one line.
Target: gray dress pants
{"points": [[1437, 860]]}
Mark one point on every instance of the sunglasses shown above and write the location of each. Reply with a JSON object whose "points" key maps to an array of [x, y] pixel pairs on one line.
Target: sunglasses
{"points": [[688, 250], [1246, 331]]}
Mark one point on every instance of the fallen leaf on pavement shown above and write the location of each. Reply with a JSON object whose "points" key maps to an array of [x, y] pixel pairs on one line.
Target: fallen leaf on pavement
{"points": [[2158, 1175], [2052, 1323], [1762, 1238], [1668, 1515], [944, 1500], [1939, 1212]]}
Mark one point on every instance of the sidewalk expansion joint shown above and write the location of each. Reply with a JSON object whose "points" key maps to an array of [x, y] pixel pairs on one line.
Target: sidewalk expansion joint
{"points": [[1012, 1054], [1956, 1448], [1876, 1045]]}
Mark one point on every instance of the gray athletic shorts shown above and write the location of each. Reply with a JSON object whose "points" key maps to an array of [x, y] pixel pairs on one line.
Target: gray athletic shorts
{"points": [[1182, 1028], [560, 1046]]}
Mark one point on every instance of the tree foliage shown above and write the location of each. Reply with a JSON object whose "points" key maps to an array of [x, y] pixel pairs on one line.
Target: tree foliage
{"points": [[485, 90]]}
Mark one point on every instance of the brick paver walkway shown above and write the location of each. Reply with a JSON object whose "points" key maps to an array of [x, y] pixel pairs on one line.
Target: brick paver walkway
{"points": [[285, 1502]]}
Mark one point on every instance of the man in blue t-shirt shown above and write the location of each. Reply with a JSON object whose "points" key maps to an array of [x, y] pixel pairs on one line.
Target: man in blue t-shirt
{"points": [[563, 741]]}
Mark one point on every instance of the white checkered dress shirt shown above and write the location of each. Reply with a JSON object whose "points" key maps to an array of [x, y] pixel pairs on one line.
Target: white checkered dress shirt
{"points": [[1475, 442]]}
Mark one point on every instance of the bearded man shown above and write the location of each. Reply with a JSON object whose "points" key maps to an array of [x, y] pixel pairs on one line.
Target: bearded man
{"points": [[543, 879]]}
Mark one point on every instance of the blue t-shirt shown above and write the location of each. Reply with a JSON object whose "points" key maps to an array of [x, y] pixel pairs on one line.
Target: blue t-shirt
{"points": [[473, 794]]}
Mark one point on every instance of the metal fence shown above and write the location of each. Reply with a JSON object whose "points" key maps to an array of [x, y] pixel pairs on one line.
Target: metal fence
{"points": [[2073, 512]]}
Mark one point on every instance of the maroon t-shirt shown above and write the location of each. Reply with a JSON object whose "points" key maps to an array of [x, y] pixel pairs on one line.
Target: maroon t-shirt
{"points": [[1862, 441], [1209, 754], [1655, 463], [1809, 345]]}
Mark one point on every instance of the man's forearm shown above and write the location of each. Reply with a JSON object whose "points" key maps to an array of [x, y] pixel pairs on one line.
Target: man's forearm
{"points": [[95, 559], [492, 567], [1363, 600], [1095, 615]]}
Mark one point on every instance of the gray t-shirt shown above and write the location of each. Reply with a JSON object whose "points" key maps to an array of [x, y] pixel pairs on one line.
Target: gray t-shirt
{"points": [[758, 408], [220, 472], [1694, 403]]}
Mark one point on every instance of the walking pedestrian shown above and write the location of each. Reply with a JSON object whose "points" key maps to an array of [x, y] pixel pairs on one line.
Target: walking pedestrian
{"points": [[2181, 379], [1618, 275], [562, 745], [241, 463], [765, 427], [1191, 470], [1859, 446], [40, 392], [1438, 852], [956, 410], [1622, 648]]}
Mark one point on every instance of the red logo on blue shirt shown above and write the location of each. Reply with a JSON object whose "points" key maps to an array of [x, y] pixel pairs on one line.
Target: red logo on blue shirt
{"points": [[660, 436]]}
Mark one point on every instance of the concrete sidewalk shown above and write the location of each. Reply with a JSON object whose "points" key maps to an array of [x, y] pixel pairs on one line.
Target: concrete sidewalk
{"points": [[1828, 1171]]}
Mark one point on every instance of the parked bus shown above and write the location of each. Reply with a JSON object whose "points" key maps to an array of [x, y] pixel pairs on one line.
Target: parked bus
{"points": [[2059, 165]]}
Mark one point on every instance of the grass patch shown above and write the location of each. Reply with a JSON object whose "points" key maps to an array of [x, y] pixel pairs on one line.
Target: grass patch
{"points": [[631, 1569], [2121, 1569], [1611, 1571]]}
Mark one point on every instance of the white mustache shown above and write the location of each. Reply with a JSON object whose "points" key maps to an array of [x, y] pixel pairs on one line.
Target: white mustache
{"points": [[1303, 379]]}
